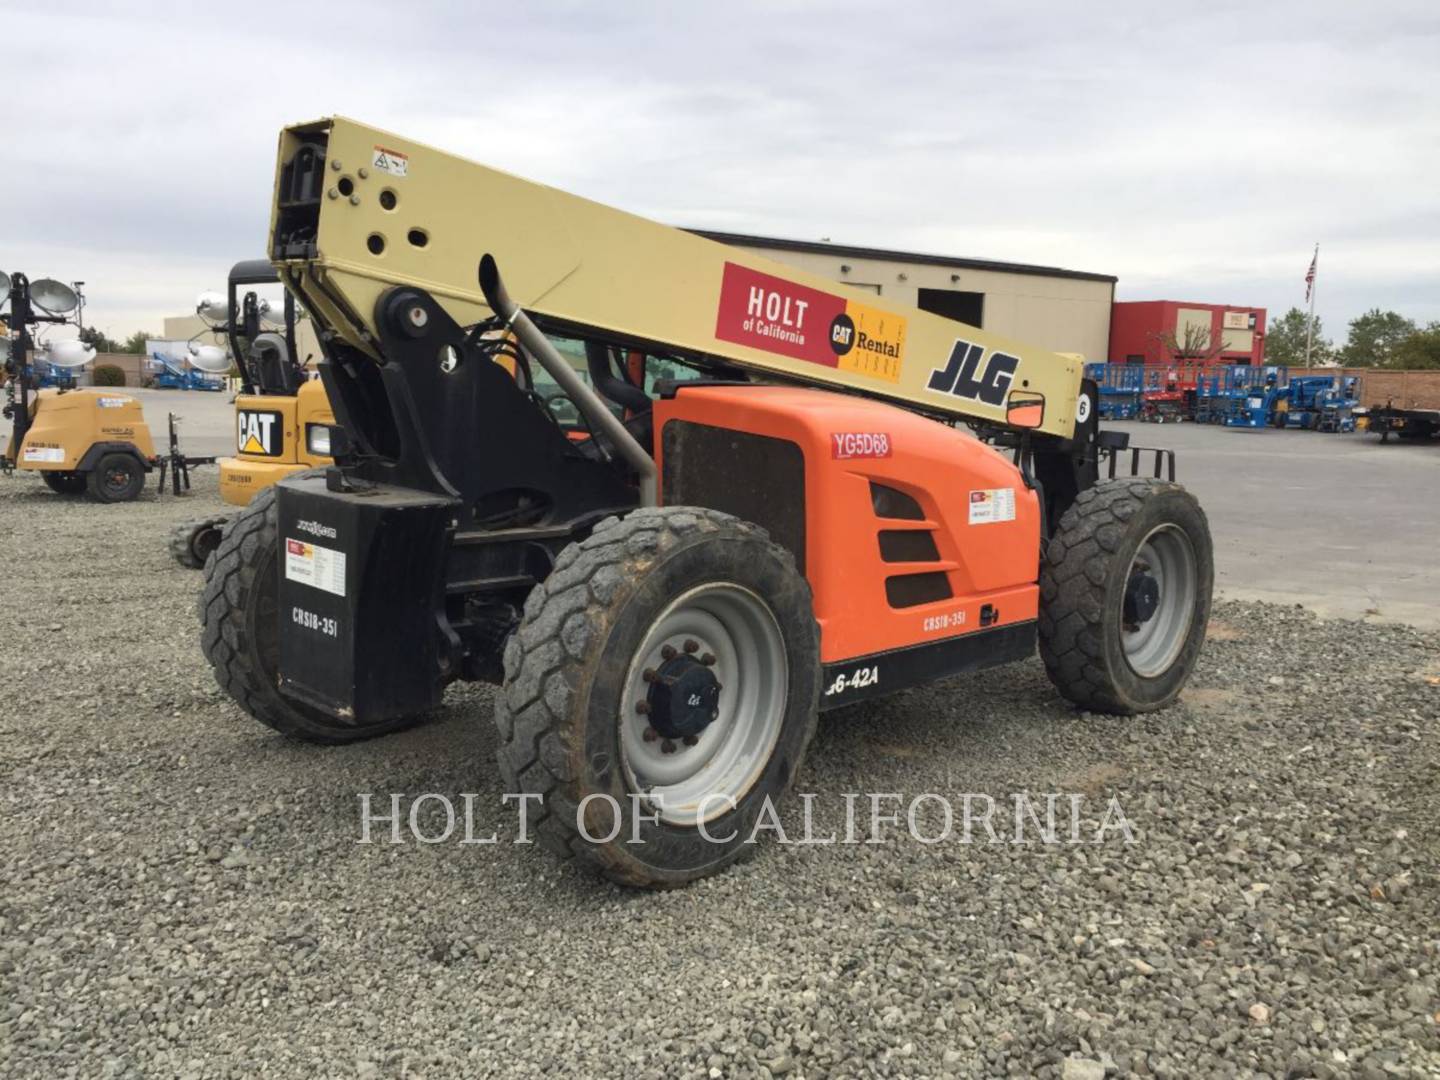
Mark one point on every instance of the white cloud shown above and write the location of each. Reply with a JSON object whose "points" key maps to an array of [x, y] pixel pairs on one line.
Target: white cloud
{"points": [[1197, 152]]}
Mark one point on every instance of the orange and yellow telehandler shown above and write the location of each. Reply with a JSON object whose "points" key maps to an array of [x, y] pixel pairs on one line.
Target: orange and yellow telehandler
{"points": [[669, 588]]}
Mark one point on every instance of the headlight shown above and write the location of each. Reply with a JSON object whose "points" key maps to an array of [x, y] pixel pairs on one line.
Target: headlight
{"points": [[317, 439]]}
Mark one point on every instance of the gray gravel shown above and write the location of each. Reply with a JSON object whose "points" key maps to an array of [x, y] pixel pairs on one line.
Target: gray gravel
{"points": [[183, 893]]}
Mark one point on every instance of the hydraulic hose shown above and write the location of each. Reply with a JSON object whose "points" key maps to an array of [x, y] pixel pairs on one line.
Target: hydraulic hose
{"points": [[602, 377]]}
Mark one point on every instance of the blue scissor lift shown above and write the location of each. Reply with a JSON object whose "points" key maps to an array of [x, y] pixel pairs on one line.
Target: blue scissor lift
{"points": [[168, 373], [1239, 395], [1121, 386]]}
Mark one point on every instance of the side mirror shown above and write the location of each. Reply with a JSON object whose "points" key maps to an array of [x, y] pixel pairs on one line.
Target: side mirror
{"points": [[1025, 409]]}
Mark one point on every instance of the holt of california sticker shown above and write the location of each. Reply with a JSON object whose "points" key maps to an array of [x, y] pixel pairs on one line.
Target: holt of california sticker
{"points": [[783, 317]]}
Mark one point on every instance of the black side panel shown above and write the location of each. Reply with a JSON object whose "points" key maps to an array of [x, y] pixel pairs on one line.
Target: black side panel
{"points": [[754, 477], [360, 599], [865, 677]]}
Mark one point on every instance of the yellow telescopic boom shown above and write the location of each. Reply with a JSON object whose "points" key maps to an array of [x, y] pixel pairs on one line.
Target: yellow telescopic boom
{"points": [[395, 212]]}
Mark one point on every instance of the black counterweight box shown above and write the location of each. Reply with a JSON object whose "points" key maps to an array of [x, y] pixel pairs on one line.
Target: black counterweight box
{"points": [[362, 629]]}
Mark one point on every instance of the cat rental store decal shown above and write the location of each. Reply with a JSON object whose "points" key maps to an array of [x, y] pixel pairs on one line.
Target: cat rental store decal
{"points": [[778, 316]]}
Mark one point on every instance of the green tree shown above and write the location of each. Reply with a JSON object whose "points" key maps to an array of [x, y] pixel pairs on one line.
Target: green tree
{"points": [[135, 343], [1373, 337], [1285, 342], [1420, 350], [97, 340]]}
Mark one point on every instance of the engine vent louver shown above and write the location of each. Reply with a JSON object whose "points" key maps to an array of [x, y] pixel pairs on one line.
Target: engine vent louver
{"points": [[889, 502]]}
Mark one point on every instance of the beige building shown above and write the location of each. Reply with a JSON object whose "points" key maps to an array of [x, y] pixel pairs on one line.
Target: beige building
{"points": [[1061, 310]]}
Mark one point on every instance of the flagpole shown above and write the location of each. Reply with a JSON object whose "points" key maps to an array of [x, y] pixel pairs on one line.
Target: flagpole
{"points": [[1310, 322]]}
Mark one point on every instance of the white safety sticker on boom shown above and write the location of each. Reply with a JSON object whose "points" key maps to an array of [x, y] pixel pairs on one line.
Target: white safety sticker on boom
{"points": [[316, 566], [992, 505], [390, 161]]}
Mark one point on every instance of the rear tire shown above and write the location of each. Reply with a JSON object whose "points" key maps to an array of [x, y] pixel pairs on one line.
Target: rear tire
{"points": [[239, 613], [116, 478], [192, 542], [64, 483], [730, 606], [1112, 641]]}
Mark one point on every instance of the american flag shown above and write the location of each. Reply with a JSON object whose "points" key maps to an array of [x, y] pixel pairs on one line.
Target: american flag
{"points": [[1310, 274]]}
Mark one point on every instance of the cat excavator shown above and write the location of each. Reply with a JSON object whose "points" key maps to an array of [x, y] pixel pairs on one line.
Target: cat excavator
{"points": [[762, 506], [282, 419]]}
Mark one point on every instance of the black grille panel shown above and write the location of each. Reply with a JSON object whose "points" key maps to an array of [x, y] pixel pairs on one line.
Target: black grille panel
{"points": [[908, 545], [911, 590], [892, 503]]}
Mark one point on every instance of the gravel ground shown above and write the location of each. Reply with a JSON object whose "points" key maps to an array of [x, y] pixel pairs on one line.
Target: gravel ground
{"points": [[184, 893]]}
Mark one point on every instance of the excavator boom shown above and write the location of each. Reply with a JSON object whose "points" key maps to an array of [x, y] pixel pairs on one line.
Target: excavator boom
{"points": [[359, 211]]}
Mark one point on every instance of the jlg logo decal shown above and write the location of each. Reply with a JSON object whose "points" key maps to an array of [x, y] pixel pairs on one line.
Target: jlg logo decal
{"points": [[845, 445], [962, 377], [260, 433]]}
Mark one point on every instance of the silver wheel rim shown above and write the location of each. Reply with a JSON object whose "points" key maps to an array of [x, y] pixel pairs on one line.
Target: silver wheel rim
{"points": [[697, 783], [1152, 646]]}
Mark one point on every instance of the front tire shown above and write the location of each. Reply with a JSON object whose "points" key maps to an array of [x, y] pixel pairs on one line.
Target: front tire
{"points": [[672, 656], [116, 478], [1125, 592], [239, 613]]}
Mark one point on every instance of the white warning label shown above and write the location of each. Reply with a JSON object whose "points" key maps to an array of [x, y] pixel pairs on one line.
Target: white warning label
{"points": [[992, 505], [48, 454], [390, 161], [316, 566]]}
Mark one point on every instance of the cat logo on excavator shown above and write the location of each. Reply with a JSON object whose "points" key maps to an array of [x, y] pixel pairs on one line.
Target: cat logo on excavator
{"points": [[260, 433]]}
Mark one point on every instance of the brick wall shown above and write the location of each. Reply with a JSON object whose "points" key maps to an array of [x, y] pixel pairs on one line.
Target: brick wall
{"points": [[1403, 389]]}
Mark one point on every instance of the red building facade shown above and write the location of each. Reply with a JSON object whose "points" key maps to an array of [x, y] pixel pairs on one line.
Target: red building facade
{"points": [[1153, 331]]}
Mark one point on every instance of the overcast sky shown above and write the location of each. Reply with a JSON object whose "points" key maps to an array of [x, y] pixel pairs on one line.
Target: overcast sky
{"points": [[1197, 151]]}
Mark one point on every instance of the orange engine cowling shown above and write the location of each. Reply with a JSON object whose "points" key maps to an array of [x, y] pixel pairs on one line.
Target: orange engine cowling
{"points": [[921, 544]]}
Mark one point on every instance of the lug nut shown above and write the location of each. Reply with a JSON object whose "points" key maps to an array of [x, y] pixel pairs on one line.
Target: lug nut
{"points": [[650, 734], [692, 646], [691, 740], [708, 659], [667, 747], [668, 652], [643, 708]]}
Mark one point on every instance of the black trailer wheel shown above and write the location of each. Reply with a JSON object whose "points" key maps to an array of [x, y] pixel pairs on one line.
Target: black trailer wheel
{"points": [[191, 542], [1125, 595], [239, 613], [664, 684], [116, 478], [64, 483]]}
